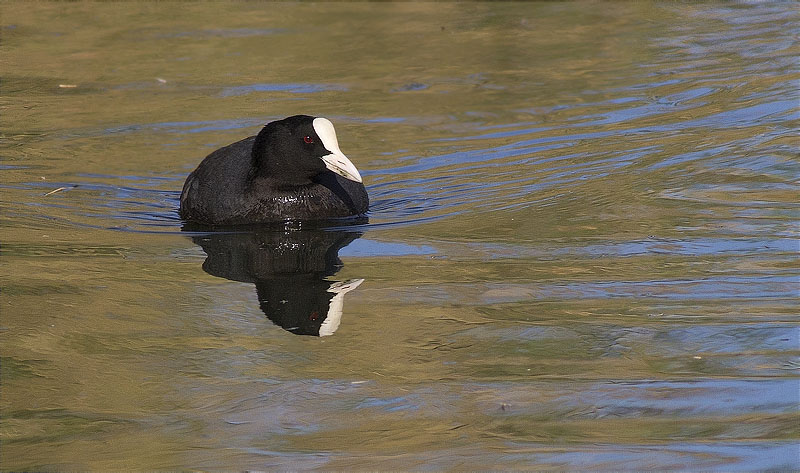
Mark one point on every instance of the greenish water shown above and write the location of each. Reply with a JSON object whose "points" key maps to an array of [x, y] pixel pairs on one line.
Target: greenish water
{"points": [[581, 252]]}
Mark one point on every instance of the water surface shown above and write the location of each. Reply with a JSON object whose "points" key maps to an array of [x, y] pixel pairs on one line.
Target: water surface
{"points": [[581, 252]]}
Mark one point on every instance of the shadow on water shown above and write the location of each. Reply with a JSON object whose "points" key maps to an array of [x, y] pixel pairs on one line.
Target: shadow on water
{"points": [[289, 266]]}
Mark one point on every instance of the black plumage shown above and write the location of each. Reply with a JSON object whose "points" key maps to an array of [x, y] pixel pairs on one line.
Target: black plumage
{"points": [[293, 169]]}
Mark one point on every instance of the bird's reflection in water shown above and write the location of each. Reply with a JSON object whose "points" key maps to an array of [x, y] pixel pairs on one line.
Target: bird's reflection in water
{"points": [[289, 268]]}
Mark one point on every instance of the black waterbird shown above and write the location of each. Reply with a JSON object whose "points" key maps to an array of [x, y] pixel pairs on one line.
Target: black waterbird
{"points": [[292, 170]]}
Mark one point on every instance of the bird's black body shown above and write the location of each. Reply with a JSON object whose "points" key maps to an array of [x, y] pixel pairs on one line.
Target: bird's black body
{"points": [[277, 175]]}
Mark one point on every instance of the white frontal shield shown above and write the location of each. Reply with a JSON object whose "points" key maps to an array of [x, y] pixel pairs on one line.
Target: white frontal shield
{"points": [[336, 161]]}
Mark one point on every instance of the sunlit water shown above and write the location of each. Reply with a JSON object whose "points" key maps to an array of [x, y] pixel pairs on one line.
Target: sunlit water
{"points": [[581, 252]]}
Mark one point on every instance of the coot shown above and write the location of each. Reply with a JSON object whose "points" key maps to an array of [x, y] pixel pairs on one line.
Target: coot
{"points": [[293, 169]]}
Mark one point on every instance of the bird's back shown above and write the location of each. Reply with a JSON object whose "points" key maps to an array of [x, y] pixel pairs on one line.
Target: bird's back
{"points": [[217, 190]]}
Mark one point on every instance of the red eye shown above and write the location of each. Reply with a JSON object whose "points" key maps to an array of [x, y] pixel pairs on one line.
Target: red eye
{"points": [[308, 139]]}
